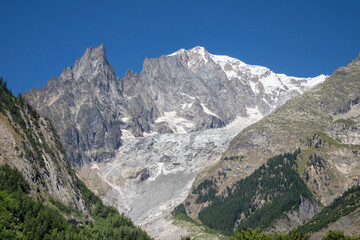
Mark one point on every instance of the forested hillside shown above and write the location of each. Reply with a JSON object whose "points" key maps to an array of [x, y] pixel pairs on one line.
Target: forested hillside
{"points": [[258, 200]]}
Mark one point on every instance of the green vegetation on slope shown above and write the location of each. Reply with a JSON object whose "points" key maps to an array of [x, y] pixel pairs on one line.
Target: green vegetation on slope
{"points": [[23, 218], [339, 235], [206, 191], [250, 234], [179, 214], [25, 121], [341, 206], [261, 198]]}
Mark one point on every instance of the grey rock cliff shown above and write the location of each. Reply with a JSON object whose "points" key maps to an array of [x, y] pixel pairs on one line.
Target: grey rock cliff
{"points": [[84, 104], [186, 91]]}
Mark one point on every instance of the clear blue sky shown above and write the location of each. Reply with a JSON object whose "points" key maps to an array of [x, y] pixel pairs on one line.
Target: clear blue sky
{"points": [[300, 38]]}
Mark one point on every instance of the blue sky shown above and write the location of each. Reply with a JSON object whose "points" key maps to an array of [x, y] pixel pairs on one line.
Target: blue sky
{"points": [[298, 38]]}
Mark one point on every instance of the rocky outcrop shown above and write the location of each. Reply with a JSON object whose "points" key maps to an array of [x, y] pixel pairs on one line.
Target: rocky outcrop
{"points": [[306, 210]]}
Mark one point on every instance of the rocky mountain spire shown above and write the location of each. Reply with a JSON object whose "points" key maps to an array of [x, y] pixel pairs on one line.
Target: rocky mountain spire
{"points": [[92, 62], [92, 54]]}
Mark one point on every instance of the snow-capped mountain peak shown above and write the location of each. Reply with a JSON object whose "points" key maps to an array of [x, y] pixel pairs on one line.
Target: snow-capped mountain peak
{"points": [[259, 78]]}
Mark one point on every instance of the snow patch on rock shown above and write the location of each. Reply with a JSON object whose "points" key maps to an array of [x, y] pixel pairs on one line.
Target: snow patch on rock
{"points": [[178, 125], [208, 111]]}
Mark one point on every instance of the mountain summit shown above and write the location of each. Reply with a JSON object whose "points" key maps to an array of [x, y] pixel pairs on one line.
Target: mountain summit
{"points": [[186, 91], [261, 77], [93, 60], [81, 103]]}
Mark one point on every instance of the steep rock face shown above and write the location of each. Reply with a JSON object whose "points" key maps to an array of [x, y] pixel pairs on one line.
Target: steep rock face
{"points": [[322, 123], [30, 143], [342, 214], [84, 104], [179, 93], [296, 217]]}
